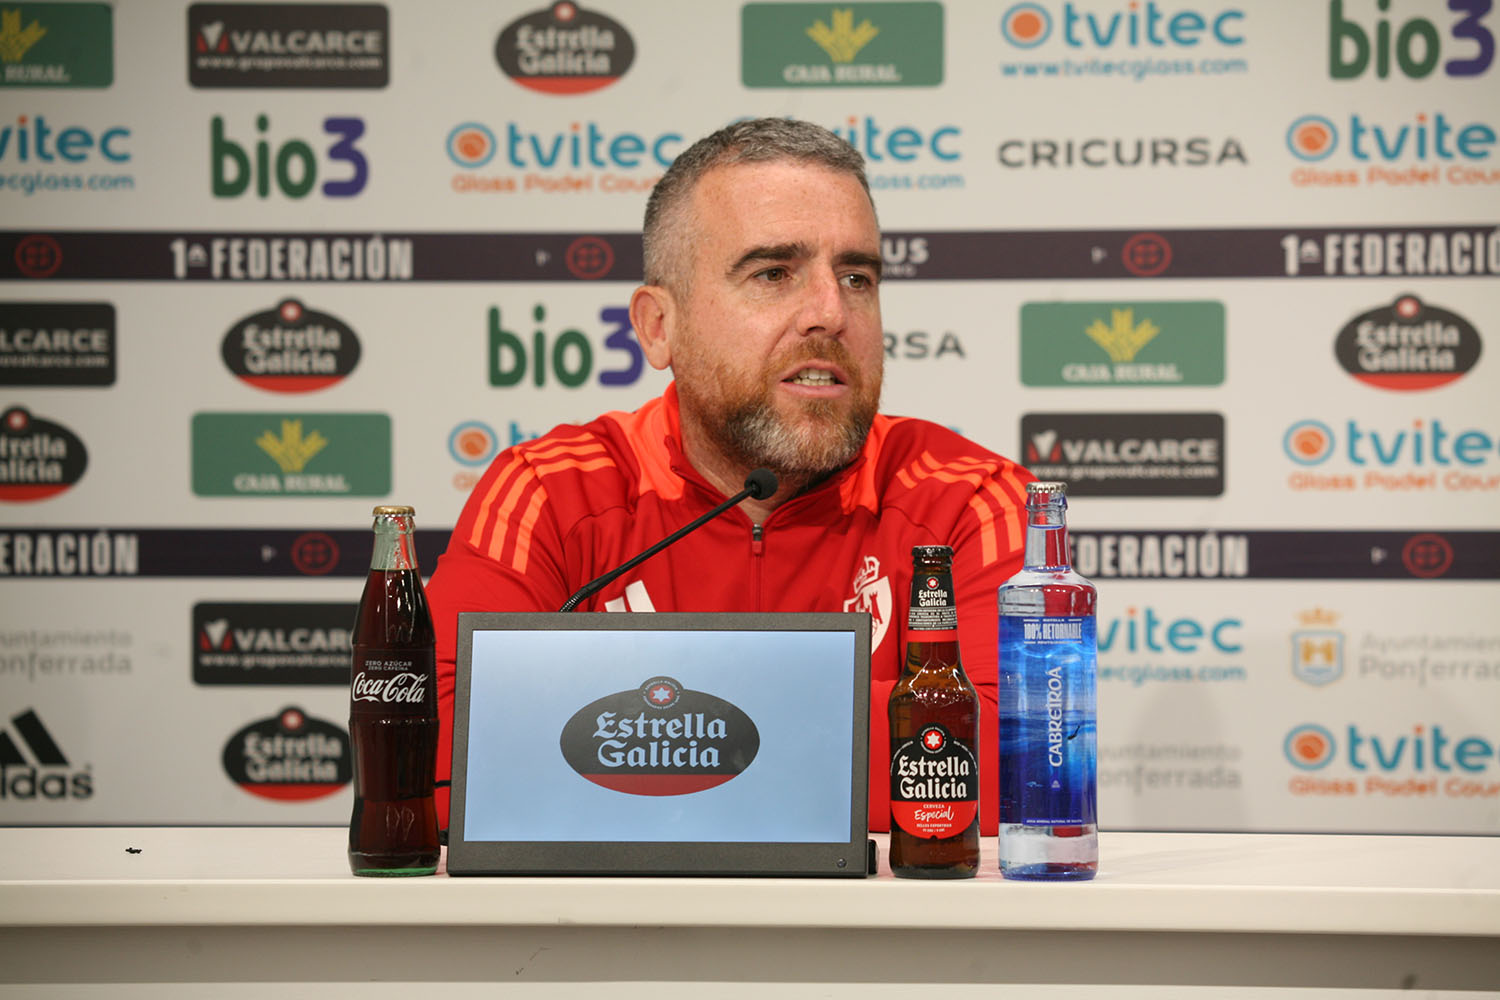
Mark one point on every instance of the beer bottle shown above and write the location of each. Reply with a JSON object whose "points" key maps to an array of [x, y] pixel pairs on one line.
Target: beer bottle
{"points": [[393, 723], [934, 719], [1048, 800]]}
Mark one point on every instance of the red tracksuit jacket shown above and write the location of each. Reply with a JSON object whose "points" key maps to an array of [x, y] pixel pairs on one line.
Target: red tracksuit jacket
{"points": [[552, 514]]}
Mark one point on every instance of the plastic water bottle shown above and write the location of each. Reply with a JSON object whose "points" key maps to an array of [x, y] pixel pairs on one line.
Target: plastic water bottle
{"points": [[1048, 681]]}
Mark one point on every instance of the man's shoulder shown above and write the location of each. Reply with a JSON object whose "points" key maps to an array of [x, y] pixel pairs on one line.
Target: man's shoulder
{"points": [[911, 451], [607, 458]]}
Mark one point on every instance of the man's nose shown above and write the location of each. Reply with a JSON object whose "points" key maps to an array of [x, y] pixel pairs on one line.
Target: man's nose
{"points": [[823, 308]]}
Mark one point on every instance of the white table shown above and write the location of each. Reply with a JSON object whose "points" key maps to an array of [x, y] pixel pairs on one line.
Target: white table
{"points": [[225, 912]]}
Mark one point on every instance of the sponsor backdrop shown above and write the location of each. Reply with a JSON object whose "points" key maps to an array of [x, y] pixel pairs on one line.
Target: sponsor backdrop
{"points": [[1229, 268]]}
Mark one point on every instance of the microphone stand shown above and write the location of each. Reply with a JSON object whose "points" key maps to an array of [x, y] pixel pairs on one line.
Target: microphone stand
{"points": [[759, 484]]}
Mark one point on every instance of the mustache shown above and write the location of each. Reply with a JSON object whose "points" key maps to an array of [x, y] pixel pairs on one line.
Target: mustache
{"points": [[827, 349]]}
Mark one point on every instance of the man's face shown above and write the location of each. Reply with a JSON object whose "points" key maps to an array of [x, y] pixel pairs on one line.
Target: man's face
{"points": [[778, 349]]}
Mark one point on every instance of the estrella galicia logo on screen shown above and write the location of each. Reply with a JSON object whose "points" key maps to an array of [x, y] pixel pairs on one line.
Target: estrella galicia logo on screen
{"points": [[660, 739], [1407, 345], [289, 757], [565, 50], [289, 166], [290, 349]]}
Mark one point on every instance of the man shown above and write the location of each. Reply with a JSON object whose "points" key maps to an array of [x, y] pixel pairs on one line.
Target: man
{"points": [[762, 260]]}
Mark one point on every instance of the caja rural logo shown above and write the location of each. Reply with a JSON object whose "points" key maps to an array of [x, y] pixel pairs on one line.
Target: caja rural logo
{"points": [[1407, 345], [660, 739]]}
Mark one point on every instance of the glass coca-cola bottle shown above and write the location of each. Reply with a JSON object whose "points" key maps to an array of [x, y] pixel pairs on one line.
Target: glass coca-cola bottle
{"points": [[393, 723]]}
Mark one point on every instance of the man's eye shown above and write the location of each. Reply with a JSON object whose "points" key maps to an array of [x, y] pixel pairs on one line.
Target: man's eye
{"points": [[773, 274], [857, 280]]}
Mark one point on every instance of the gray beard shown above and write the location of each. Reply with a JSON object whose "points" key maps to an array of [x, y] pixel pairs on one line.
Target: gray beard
{"points": [[754, 436]]}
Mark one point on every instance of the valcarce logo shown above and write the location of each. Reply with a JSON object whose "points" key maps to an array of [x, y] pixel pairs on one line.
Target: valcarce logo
{"points": [[291, 348], [660, 739]]}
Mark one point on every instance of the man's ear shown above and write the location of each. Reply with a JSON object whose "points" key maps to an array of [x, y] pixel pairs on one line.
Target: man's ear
{"points": [[653, 313]]}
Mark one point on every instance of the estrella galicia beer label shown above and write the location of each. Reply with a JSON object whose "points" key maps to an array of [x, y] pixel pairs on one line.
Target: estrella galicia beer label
{"points": [[934, 784], [660, 739]]}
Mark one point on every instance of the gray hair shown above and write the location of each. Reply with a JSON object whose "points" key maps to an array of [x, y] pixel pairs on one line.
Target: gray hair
{"points": [[757, 140]]}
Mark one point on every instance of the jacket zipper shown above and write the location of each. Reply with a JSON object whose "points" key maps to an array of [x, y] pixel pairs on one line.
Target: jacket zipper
{"points": [[757, 550]]}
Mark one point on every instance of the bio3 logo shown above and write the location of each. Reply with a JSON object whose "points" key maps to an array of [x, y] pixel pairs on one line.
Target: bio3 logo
{"points": [[1362, 35], [291, 166], [568, 355]]}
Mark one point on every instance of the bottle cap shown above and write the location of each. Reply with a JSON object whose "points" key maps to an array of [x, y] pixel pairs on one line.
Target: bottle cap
{"points": [[391, 510], [931, 552], [1046, 489]]}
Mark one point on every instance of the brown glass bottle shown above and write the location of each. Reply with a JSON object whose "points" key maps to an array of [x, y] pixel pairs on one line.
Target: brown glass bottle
{"points": [[393, 723], [934, 720]]}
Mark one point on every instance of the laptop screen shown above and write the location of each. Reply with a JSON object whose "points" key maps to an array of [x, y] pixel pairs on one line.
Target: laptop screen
{"points": [[622, 732]]}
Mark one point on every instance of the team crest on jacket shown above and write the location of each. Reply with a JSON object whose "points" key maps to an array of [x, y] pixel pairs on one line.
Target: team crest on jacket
{"points": [[872, 593]]}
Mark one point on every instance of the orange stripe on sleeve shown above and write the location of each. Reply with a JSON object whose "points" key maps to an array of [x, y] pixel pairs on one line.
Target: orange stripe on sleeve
{"points": [[482, 517], [574, 464], [526, 479], [523, 531], [988, 545]]}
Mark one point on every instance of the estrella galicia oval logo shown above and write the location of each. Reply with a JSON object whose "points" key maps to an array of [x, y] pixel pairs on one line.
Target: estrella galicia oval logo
{"points": [[565, 50], [1407, 345], [289, 757], [38, 458], [660, 739], [290, 349]]}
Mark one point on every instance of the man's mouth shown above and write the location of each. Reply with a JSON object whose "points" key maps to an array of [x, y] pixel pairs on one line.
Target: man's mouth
{"points": [[814, 377]]}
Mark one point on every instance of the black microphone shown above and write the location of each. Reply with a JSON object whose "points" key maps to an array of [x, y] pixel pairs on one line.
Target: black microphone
{"points": [[759, 485]]}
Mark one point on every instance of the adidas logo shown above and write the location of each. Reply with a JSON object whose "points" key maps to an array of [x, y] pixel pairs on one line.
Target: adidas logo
{"points": [[42, 771]]}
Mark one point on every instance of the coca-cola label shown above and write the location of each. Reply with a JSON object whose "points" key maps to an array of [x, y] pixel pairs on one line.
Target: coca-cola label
{"points": [[393, 682], [934, 784], [289, 757], [660, 739], [932, 606]]}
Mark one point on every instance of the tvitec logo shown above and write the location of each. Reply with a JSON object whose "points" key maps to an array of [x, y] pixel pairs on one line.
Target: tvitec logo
{"points": [[1426, 761], [35, 155], [569, 355], [1427, 456], [585, 158], [1419, 152], [1029, 25], [291, 166], [1363, 34]]}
